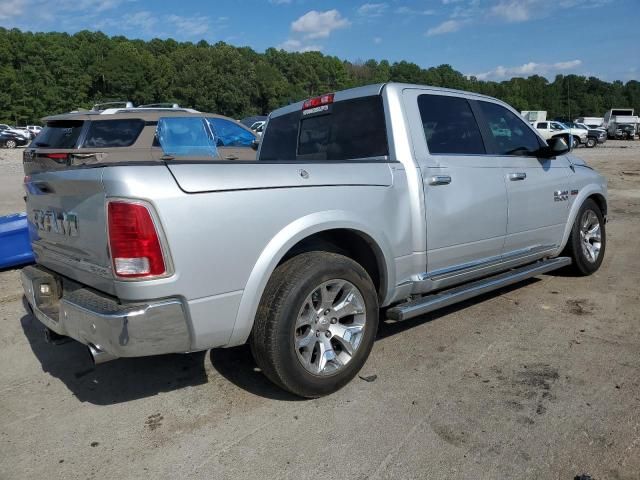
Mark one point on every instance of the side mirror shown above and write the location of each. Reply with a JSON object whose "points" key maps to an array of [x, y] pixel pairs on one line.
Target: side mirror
{"points": [[254, 145], [556, 146]]}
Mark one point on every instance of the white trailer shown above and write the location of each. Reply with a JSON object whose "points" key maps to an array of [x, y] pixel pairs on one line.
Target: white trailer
{"points": [[532, 116]]}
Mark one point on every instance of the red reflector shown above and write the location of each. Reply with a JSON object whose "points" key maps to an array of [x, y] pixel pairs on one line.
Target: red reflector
{"points": [[133, 241], [57, 156], [318, 101]]}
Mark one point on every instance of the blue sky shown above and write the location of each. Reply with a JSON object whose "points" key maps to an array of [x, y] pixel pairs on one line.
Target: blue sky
{"points": [[492, 39]]}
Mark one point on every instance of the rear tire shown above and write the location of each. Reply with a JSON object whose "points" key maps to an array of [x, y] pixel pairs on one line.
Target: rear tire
{"points": [[316, 323], [588, 239], [10, 144]]}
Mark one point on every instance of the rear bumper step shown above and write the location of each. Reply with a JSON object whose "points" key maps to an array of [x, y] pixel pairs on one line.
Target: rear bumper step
{"points": [[442, 299], [111, 329]]}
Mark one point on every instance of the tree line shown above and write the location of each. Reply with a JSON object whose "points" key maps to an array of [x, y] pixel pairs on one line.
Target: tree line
{"points": [[46, 73]]}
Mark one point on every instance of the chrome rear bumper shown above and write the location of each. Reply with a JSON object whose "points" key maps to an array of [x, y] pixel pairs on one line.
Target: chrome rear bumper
{"points": [[91, 318]]}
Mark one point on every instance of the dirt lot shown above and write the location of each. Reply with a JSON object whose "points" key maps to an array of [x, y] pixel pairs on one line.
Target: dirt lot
{"points": [[541, 381]]}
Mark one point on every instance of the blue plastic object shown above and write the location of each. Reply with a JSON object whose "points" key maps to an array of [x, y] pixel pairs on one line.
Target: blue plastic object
{"points": [[15, 244]]}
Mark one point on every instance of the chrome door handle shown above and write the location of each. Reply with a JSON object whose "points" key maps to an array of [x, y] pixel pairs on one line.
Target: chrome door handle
{"points": [[440, 180], [517, 176], [231, 157]]}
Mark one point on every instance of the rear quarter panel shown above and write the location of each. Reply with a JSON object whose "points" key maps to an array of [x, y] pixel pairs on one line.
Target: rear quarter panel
{"points": [[225, 240]]}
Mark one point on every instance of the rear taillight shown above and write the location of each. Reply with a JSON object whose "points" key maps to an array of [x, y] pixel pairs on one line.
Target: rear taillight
{"points": [[133, 241]]}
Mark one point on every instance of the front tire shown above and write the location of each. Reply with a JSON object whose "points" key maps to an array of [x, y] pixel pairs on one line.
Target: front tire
{"points": [[10, 144], [316, 323], [591, 142], [588, 239], [576, 141]]}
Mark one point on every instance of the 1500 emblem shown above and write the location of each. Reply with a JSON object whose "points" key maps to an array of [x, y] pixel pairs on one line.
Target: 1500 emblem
{"points": [[62, 223], [560, 195]]}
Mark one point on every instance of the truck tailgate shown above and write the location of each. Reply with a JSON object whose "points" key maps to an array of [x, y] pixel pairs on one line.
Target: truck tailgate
{"points": [[67, 224]]}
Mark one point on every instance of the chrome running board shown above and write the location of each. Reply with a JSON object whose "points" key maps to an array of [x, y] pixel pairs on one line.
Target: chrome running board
{"points": [[434, 301]]}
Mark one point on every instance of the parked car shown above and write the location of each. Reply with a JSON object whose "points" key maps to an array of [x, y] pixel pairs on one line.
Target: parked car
{"points": [[25, 131], [594, 135], [551, 129], [249, 121], [625, 132], [131, 134], [392, 196], [258, 125], [6, 128], [12, 139], [34, 129]]}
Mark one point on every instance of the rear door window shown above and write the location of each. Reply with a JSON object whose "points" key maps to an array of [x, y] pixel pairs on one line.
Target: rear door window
{"points": [[186, 137], [60, 134], [511, 136], [347, 130], [449, 125], [228, 134], [113, 133]]}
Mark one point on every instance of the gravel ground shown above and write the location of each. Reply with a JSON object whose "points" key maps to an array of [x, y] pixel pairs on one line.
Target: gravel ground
{"points": [[540, 381]]}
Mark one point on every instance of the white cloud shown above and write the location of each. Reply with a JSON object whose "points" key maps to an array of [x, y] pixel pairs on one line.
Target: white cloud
{"points": [[377, 40], [144, 20], [372, 9], [316, 24], [413, 11], [190, 26], [293, 45], [447, 26], [528, 69], [514, 10], [11, 8]]}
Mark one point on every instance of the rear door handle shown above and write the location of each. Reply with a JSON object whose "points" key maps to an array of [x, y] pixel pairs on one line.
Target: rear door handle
{"points": [[440, 180], [514, 177], [231, 157]]}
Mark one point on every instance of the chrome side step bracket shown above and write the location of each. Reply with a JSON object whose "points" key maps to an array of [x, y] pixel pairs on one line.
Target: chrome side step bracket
{"points": [[431, 302]]}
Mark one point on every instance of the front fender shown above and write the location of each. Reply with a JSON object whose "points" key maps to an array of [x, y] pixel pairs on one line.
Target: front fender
{"points": [[585, 192], [278, 247]]}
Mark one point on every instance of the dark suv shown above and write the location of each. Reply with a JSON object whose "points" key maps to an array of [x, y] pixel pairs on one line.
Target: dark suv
{"points": [[143, 134]]}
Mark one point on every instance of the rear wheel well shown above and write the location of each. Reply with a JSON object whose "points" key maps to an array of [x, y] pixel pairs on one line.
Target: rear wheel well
{"points": [[350, 243]]}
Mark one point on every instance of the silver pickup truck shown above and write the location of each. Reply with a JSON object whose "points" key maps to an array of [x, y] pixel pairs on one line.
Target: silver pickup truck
{"points": [[385, 201]]}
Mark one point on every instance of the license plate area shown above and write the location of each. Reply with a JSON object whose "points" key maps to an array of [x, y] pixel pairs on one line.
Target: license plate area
{"points": [[45, 290]]}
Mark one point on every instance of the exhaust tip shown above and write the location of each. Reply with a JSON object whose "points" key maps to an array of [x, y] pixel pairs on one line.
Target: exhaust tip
{"points": [[98, 355], [55, 338]]}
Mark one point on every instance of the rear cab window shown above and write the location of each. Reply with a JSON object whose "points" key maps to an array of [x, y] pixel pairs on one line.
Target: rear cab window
{"points": [[450, 126], [60, 134], [353, 129]]}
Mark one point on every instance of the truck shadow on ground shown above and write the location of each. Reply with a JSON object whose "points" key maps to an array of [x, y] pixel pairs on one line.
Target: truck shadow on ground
{"points": [[129, 379], [114, 382], [238, 367]]}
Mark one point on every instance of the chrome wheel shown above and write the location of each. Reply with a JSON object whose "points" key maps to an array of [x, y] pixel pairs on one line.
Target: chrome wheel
{"points": [[330, 326], [590, 236], [11, 144]]}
